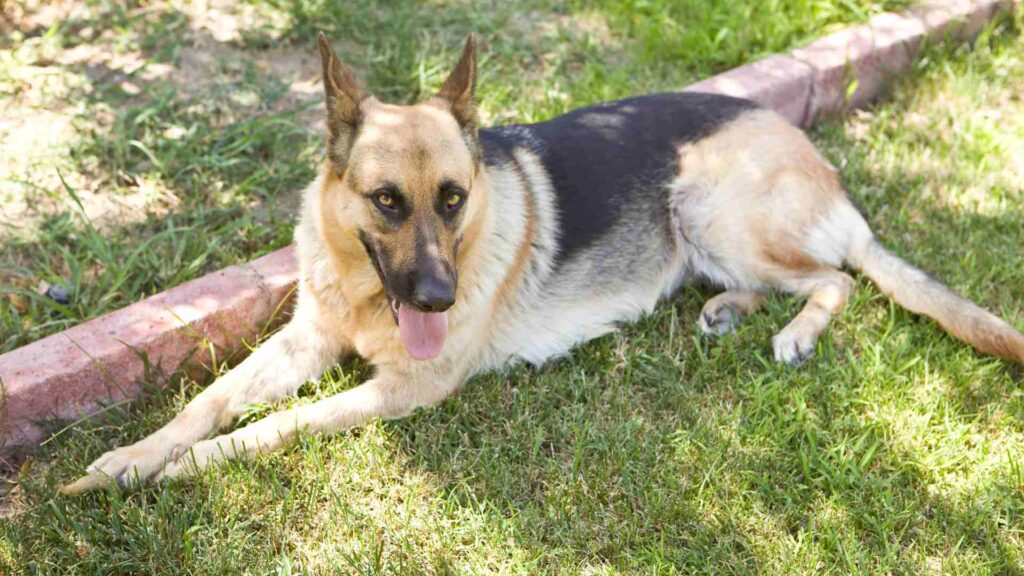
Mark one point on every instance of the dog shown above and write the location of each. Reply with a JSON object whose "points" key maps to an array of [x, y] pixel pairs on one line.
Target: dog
{"points": [[436, 250]]}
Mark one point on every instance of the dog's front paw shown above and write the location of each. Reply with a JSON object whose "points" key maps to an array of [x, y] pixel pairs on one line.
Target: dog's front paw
{"points": [[127, 466], [793, 346]]}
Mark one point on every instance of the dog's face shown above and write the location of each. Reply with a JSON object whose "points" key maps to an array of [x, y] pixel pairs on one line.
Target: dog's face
{"points": [[401, 183]]}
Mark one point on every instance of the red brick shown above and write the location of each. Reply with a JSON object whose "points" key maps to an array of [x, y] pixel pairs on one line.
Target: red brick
{"points": [[960, 19], [96, 362], [279, 271], [851, 67], [777, 82], [864, 58]]}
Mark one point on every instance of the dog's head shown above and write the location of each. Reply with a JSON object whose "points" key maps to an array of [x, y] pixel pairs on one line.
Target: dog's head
{"points": [[401, 184]]}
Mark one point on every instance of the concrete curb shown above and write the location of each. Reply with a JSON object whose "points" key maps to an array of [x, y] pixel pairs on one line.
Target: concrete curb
{"points": [[100, 361]]}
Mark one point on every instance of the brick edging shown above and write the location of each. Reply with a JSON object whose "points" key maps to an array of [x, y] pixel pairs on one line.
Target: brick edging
{"points": [[809, 83], [106, 359], [99, 361]]}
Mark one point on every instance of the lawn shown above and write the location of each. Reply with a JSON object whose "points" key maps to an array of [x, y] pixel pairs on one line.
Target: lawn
{"points": [[652, 451]]}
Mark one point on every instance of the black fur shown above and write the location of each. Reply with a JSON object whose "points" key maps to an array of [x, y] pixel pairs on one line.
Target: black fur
{"points": [[607, 160]]}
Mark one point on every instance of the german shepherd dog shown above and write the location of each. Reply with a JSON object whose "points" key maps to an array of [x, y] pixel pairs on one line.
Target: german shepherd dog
{"points": [[436, 251]]}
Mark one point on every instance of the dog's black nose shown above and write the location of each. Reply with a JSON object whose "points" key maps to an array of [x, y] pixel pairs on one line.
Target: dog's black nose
{"points": [[434, 294]]}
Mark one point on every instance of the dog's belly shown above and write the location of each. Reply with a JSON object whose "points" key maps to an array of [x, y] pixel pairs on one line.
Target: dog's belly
{"points": [[578, 306]]}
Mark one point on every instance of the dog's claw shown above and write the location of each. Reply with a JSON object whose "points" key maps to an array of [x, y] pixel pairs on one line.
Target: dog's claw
{"points": [[173, 469]]}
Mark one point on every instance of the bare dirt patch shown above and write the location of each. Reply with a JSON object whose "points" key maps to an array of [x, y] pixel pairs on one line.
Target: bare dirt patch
{"points": [[46, 111]]}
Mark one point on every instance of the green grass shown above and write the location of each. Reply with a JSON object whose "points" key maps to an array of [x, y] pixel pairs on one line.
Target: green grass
{"points": [[544, 57], [652, 451], [212, 161]]}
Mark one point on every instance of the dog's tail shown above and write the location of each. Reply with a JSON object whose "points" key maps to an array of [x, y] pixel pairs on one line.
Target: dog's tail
{"points": [[920, 293]]}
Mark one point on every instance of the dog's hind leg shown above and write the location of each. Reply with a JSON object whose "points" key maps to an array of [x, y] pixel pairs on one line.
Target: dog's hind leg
{"points": [[721, 314], [389, 395], [826, 291], [300, 351]]}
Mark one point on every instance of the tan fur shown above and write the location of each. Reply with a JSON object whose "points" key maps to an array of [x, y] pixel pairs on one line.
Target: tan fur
{"points": [[919, 293], [415, 148], [783, 253], [769, 186], [522, 258]]}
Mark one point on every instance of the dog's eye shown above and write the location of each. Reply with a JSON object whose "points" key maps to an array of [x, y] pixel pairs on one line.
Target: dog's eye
{"points": [[454, 200], [385, 200]]}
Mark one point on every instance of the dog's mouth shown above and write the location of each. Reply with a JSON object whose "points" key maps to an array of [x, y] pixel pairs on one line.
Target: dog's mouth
{"points": [[422, 333]]}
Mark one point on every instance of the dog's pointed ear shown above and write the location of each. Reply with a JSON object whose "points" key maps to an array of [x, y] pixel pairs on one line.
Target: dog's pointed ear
{"points": [[458, 90], [344, 96]]}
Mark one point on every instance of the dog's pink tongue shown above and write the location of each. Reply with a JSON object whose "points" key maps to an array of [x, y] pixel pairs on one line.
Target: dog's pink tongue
{"points": [[422, 332]]}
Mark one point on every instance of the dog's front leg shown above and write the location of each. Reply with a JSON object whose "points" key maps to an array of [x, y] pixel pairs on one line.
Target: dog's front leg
{"points": [[388, 396], [300, 351]]}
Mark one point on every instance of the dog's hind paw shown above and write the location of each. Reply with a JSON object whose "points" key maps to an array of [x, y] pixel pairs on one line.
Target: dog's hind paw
{"points": [[719, 320]]}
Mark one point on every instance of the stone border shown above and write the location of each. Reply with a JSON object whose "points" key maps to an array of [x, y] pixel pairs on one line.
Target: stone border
{"points": [[106, 359]]}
